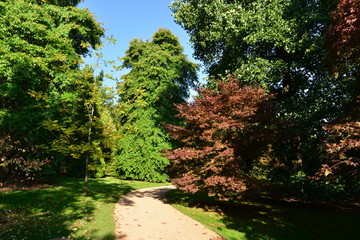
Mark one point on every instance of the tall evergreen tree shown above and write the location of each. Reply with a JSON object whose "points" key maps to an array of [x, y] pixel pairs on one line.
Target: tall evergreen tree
{"points": [[160, 76]]}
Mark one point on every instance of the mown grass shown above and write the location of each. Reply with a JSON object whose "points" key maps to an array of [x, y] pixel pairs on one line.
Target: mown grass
{"points": [[250, 220], [64, 211]]}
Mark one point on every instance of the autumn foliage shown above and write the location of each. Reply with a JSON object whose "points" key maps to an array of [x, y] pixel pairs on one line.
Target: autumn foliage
{"points": [[344, 150], [344, 34], [343, 39], [221, 127]]}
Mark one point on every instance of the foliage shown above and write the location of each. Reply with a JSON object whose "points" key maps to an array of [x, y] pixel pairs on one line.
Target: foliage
{"points": [[17, 167], [254, 35], [264, 219], [272, 44], [62, 3], [64, 211], [225, 131], [343, 57], [344, 149], [341, 169], [160, 75], [83, 130], [343, 37], [41, 44], [105, 149], [307, 58], [140, 147]]}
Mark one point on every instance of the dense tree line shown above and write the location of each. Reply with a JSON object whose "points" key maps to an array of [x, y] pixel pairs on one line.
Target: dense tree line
{"points": [[308, 60], [279, 115], [56, 117]]}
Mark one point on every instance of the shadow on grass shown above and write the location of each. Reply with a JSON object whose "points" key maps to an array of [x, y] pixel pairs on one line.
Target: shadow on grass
{"points": [[56, 212], [254, 220]]}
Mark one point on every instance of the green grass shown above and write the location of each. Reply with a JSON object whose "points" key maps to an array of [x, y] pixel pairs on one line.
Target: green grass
{"points": [[64, 211], [269, 219]]}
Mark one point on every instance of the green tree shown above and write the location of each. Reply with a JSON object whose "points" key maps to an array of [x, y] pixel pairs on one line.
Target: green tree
{"points": [[160, 76], [84, 131], [41, 45]]}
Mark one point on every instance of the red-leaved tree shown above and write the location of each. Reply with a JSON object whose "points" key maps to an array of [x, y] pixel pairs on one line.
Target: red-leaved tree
{"points": [[224, 131], [343, 38], [343, 149]]}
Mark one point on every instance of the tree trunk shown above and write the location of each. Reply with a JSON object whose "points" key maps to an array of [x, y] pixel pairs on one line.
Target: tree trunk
{"points": [[86, 184], [297, 161]]}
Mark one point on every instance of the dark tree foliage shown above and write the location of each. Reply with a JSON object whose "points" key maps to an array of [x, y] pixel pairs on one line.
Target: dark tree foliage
{"points": [[343, 143], [344, 149], [226, 130], [343, 53], [343, 37]]}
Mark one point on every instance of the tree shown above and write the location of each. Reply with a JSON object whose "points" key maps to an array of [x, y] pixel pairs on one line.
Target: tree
{"points": [[273, 44], [343, 49], [226, 131], [309, 59], [160, 76], [236, 35], [41, 43], [344, 149], [343, 36], [83, 132]]}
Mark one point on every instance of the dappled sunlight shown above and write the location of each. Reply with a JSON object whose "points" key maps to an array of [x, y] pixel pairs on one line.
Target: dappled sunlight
{"points": [[64, 211]]}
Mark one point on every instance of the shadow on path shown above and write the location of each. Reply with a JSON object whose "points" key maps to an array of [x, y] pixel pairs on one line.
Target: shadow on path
{"points": [[154, 193]]}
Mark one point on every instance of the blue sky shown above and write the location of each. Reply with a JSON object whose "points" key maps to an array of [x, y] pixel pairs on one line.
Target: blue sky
{"points": [[129, 19]]}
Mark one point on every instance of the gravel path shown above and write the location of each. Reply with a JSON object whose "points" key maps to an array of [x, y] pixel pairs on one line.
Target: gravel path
{"points": [[144, 215]]}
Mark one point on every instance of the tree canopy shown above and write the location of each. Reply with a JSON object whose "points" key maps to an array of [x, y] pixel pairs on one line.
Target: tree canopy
{"points": [[41, 44], [226, 131], [307, 59]]}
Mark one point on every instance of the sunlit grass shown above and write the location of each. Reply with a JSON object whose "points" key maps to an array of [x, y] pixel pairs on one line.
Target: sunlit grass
{"points": [[64, 211], [250, 220]]}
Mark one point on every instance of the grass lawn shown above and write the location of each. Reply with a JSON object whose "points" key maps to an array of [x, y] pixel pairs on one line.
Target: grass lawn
{"points": [[64, 211], [269, 219]]}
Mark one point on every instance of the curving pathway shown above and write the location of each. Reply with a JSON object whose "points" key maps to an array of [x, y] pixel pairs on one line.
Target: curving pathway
{"points": [[144, 215]]}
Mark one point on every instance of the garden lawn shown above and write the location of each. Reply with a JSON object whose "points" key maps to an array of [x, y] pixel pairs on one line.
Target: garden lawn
{"points": [[270, 219], [64, 211]]}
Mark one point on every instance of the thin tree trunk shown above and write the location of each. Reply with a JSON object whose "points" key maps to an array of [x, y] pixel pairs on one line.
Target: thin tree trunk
{"points": [[298, 161], [86, 185]]}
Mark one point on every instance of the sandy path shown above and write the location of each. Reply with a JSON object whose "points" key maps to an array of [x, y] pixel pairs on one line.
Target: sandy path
{"points": [[143, 215]]}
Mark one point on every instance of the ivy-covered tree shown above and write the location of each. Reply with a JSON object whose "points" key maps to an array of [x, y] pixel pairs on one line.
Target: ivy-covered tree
{"points": [[160, 76], [41, 45], [226, 131]]}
